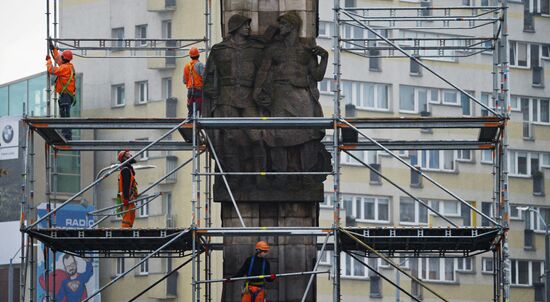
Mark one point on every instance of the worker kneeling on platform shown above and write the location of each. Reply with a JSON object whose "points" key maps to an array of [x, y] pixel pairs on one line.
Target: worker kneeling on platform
{"points": [[257, 265], [127, 189]]}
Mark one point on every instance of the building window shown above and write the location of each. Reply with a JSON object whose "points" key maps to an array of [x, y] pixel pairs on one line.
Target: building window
{"points": [[326, 86], [411, 212], [466, 104], [118, 33], [450, 97], [464, 155], [373, 209], [465, 265], [486, 99], [325, 29], [144, 210], [413, 99], [351, 268], [437, 269], [118, 95], [141, 33], [68, 171], [487, 156], [519, 163], [325, 258], [171, 164], [446, 207], [144, 267], [435, 160], [327, 201], [142, 92], [536, 222], [119, 266], [519, 54], [365, 95], [487, 209], [166, 88], [487, 265], [545, 49]]}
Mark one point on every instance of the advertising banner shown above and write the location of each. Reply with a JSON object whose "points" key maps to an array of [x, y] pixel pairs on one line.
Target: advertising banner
{"points": [[9, 138], [75, 278]]}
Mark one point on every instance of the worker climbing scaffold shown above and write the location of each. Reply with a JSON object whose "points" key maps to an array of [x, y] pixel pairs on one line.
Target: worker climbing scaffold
{"points": [[127, 189], [64, 83]]}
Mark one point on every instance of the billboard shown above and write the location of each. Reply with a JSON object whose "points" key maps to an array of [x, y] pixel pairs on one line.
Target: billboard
{"points": [[75, 278], [12, 137], [9, 141]]}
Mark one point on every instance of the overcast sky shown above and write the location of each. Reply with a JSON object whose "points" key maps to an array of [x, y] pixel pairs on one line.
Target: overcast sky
{"points": [[22, 34]]}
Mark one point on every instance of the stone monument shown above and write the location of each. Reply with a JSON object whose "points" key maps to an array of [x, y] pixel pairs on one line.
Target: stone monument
{"points": [[270, 75]]}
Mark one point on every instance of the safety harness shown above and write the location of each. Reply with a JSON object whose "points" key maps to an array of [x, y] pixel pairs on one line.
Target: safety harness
{"points": [[259, 284]]}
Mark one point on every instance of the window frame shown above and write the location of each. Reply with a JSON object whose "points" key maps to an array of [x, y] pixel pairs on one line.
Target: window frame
{"points": [[115, 92], [417, 213], [142, 96], [139, 34], [514, 61], [360, 203], [484, 265], [120, 266], [115, 34], [424, 269], [143, 267]]}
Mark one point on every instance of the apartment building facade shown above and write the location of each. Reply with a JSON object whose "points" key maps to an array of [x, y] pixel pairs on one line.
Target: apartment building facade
{"points": [[140, 87]]}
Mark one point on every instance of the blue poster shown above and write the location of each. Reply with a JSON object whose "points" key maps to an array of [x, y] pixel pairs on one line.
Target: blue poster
{"points": [[75, 278]]}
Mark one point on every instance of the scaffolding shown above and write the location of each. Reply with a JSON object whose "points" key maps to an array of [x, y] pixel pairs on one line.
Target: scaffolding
{"points": [[195, 240]]}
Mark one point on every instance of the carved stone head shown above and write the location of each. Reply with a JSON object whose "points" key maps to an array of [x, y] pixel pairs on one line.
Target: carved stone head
{"points": [[237, 21], [289, 21]]}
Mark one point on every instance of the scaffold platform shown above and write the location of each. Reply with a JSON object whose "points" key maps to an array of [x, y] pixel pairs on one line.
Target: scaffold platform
{"points": [[413, 241]]}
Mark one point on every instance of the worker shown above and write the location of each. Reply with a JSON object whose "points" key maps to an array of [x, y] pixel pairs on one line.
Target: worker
{"points": [[127, 189], [193, 74], [257, 265], [64, 84]]}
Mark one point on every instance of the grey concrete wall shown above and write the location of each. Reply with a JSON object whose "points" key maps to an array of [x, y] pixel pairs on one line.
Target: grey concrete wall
{"points": [[287, 254]]}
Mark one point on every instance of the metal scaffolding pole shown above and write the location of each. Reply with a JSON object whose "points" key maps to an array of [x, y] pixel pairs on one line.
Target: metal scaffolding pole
{"points": [[336, 295], [504, 58]]}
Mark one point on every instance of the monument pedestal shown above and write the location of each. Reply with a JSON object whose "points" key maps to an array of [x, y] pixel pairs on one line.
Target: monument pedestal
{"points": [[288, 254]]}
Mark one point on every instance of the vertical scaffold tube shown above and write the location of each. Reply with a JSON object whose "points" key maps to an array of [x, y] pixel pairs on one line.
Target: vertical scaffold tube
{"points": [[505, 94], [335, 153]]}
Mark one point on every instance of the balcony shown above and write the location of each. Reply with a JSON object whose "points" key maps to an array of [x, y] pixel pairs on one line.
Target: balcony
{"points": [[161, 5]]}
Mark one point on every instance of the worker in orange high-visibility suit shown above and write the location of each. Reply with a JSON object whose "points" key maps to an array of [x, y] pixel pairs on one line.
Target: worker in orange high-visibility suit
{"points": [[64, 84], [127, 189], [193, 74], [257, 265]]}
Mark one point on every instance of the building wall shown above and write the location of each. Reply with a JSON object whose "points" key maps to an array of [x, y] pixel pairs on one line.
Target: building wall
{"points": [[472, 74]]}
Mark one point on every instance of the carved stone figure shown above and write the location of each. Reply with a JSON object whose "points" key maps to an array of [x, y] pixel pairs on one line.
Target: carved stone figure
{"points": [[287, 87], [229, 82]]}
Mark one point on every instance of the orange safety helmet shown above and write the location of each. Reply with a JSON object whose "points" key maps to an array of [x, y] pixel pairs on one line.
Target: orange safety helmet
{"points": [[121, 155], [67, 55], [262, 246], [193, 52]]}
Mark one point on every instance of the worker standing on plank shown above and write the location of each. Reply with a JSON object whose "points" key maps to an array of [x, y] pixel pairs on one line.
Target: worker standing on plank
{"points": [[254, 290], [193, 74], [127, 189], [64, 84]]}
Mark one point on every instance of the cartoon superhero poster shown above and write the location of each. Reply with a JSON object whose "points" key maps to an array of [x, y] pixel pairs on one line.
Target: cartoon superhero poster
{"points": [[75, 278]]}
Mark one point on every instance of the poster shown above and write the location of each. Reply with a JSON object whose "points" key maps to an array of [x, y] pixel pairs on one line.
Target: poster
{"points": [[75, 278], [9, 137]]}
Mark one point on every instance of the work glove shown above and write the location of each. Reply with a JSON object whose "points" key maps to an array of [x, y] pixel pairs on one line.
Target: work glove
{"points": [[273, 277], [48, 58], [125, 202]]}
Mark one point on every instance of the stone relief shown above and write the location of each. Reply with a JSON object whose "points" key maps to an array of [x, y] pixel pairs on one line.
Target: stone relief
{"points": [[274, 75]]}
